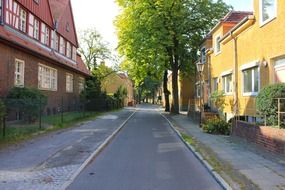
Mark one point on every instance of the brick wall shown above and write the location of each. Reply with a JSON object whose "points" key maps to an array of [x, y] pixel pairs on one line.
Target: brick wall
{"points": [[7, 69], [272, 139]]}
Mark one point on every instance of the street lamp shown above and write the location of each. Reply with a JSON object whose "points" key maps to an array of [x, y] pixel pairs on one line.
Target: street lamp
{"points": [[200, 68]]}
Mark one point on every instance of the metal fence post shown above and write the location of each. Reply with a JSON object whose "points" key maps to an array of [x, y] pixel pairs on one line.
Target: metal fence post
{"points": [[40, 113], [62, 109], [278, 112], [4, 126]]}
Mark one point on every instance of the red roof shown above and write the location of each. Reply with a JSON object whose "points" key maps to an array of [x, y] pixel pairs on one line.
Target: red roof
{"points": [[236, 16], [33, 47], [62, 14]]}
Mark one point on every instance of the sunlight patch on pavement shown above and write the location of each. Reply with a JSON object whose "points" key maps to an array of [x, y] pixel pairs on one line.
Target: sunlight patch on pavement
{"points": [[169, 147], [111, 117]]}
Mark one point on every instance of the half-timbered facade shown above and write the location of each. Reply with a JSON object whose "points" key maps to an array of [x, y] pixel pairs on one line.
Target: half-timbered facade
{"points": [[38, 49]]}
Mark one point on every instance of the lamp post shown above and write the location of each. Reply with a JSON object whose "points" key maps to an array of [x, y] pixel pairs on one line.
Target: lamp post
{"points": [[200, 68]]}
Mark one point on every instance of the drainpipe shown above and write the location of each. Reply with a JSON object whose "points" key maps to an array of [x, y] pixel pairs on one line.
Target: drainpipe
{"points": [[235, 79]]}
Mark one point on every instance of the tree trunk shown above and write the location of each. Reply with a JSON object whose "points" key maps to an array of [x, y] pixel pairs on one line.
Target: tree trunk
{"points": [[175, 68], [175, 103], [166, 91], [153, 97]]}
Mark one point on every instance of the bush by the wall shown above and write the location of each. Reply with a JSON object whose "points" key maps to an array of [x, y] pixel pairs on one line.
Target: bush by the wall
{"points": [[29, 102], [266, 102], [216, 126]]}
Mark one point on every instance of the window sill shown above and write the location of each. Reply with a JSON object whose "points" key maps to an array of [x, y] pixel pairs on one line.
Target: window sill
{"points": [[228, 94], [218, 53], [266, 22], [253, 94], [45, 89]]}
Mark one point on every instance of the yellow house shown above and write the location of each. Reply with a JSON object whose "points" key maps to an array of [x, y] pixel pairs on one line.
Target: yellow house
{"points": [[248, 53], [186, 90], [112, 82]]}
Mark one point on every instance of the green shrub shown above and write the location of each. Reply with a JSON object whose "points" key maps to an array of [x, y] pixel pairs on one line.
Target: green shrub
{"points": [[218, 98], [2, 110], [216, 126], [27, 101], [266, 103]]}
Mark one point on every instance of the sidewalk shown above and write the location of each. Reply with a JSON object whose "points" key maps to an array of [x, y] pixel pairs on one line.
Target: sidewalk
{"points": [[242, 165], [50, 161]]}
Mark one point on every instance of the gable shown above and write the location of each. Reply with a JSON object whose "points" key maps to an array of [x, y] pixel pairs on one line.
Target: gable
{"points": [[41, 10], [62, 14]]}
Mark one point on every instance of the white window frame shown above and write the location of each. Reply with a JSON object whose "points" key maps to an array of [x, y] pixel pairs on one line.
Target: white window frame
{"points": [[252, 93], [47, 77], [217, 42], [261, 21], [224, 83], [69, 82], [23, 20], [20, 73], [277, 66]]}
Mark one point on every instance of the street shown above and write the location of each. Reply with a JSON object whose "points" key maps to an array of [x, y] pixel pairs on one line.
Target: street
{"points": [[146, 154]]}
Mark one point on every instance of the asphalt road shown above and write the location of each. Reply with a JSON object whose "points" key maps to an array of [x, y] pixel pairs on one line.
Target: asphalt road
{"points": [[145, 155]]}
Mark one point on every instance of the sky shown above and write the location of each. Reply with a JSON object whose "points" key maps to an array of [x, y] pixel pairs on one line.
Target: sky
{"points": [[100, 14]]}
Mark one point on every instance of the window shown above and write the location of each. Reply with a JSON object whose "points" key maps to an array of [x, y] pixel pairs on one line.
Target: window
{"points": [[215, 84], [69, 82], [68, 50], [251, 81], [47, 31], [198, 90], [81, 84], [37, 29], [47, 77], [19, 72], [54, 40], [203, 56], [268, 9], [218, 45], [37, 1], [279, 68], [227, 84], [34, 27], [62, 45], [23, 20], [0, 11], [74, 53]]}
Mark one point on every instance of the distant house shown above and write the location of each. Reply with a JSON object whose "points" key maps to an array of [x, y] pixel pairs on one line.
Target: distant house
{"points": [[38, 49], [112, 82], [186, 91]]}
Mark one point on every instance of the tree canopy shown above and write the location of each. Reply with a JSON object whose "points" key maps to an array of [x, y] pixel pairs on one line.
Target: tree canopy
{"points": [[159, 35]]}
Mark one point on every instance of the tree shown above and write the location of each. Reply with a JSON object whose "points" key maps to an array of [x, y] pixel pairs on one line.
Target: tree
{"points": [[169, 31], [93, 49]]}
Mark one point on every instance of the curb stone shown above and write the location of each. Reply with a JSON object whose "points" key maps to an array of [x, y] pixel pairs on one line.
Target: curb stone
{"points": [[211, 170], [96, 153]]}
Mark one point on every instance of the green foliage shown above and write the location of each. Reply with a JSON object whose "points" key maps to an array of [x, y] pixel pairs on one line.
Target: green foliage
{"points": [[156, 35], [92, 88], [218, 98], [93, 49], [121, 93], [2, 109], [216, 126], [28, 101], [266, 102]]}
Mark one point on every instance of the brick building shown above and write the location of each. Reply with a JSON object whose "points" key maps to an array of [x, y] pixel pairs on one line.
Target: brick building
{"points": [[38, 44]]}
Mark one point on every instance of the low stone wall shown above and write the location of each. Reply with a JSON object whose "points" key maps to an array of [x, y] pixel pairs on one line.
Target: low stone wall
{"points": [[272, 139]]}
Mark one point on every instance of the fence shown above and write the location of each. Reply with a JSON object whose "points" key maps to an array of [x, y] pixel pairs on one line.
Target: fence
{"points": [[20, 113]]}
